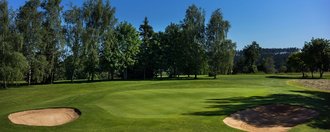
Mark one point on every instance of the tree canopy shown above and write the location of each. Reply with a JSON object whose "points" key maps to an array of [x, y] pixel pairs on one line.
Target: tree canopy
{"points": [[43, 42]]}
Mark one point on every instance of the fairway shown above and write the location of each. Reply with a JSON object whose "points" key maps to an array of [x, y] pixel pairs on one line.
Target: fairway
{"points": [[163, 105]]}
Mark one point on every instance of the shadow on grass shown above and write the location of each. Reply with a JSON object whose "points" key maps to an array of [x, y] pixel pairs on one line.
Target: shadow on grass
{"points": [[25, 84], [319, 101], [156, 79], [291, 77], [284, 77]]}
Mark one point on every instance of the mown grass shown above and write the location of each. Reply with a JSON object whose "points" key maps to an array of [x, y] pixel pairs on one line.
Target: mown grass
{"points": [[163, 105]]}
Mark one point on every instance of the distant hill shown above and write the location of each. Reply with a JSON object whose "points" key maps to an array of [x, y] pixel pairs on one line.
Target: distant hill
{"points": [[280, 55]]}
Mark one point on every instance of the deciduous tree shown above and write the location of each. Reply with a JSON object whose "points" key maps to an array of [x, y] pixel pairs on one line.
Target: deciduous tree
{"points": [[251, 54], [73, 35], [13, 64], [268, 65], [296, 61], [221, 51], [194, 39], [316, 55], [128, 42], [52, 37], [109, 51], [29, 25]]}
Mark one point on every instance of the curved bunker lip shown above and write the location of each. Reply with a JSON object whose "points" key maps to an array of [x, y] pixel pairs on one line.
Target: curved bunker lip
{"points": [[53, 116], [274, 117]]}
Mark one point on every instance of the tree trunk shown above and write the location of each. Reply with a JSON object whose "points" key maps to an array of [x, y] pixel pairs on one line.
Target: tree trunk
{"points": [[175, 72], [125, 74], [29, 76], [109, 74], [53, 78], [144, 73], [195, 76], [112, 74], [92, 76], [321, 73], [72, 77], [5, 83], [215, 76], [312, 74]]}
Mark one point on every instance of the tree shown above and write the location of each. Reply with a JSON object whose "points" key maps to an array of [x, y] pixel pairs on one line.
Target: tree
{"points": [[13, 64], [158, 54], [173, 48], [268, 65], [145, 54], [73, 35], [128, 42], [251, 54], [296, 61], [194, 39], [52, 37], [109, 53], [221, 51], [239, 64], [283, 69], [228, 49], [29, 25], [316, 55], [92, 36]]}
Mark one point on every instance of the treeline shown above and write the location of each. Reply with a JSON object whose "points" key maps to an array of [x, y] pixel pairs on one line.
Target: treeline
{"points": [[275, 58], [41, 43], [314, 57]]}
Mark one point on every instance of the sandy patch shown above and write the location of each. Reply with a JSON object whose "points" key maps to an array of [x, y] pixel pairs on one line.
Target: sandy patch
{"points": [[45, 117], [270, 118], [323, 84]]}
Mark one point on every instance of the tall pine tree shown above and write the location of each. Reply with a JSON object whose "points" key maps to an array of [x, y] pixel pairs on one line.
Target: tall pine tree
{"points": [[145, 54]]}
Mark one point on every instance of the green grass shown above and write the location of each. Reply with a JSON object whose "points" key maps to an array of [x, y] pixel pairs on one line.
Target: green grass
{"points": [[163, 105]]}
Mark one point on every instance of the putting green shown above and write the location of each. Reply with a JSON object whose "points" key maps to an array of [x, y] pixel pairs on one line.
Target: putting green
{"points": [[160, 103], [167, 105]]}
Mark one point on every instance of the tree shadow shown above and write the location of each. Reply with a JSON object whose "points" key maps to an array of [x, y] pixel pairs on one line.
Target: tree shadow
{"points": [[82, 81], [129, 80], [315, 100], [182, 78], [290, 77], [284, 77]]}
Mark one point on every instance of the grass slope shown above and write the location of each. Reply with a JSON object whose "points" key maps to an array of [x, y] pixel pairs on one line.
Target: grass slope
{"points": [[167, 105]]}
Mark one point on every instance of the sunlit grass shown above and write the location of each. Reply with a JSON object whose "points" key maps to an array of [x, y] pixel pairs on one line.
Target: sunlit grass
{"points": [[161, 105]]}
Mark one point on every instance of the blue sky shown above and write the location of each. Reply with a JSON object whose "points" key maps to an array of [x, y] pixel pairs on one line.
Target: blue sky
{"points": [[272, 23]]}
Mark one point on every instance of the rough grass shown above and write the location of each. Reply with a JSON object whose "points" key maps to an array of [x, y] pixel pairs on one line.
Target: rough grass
{"points": [[163, 105]]}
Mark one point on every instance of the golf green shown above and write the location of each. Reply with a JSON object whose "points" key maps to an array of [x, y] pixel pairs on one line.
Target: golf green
{"points": [[163, 105]]}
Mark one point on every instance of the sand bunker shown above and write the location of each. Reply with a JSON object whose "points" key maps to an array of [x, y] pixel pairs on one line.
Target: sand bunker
{"points": [[323, 84], [270, 118], [45, 117]]}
